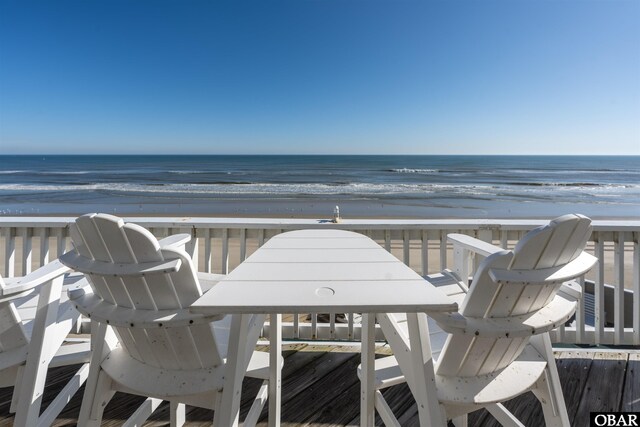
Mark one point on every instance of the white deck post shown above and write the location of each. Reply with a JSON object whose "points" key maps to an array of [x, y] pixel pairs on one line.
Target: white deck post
{"points": [[275, 377], [424, 391], [234, 373], [367, 391]]}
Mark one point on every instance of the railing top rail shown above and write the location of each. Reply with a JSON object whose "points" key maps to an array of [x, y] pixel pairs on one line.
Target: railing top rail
{"points": [[291, 223]]}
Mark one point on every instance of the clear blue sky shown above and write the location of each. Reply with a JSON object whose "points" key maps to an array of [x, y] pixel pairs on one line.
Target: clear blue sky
{"points": [[343, 76]]}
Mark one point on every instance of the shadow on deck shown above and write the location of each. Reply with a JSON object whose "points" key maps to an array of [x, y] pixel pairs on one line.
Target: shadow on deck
{"points": [[320, 388]]}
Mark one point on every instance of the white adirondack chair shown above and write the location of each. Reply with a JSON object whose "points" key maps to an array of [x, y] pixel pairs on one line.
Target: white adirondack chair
{"points": [[141, 289], [35, 319], [497, 346]]}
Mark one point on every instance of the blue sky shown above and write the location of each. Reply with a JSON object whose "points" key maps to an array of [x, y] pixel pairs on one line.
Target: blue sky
{"points": [[311, 76]]}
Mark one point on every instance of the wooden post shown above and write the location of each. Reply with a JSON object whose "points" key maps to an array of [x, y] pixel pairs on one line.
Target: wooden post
{"points": [[618, 299], [424, 389], [234, 372], [367, 390], [275, 371]]}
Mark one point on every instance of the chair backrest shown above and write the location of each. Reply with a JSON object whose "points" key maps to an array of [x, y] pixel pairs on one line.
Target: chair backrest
{"points": [[546, 248], [108, 239]]}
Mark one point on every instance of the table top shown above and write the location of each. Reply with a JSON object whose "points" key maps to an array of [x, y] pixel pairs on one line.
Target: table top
{"points": [[328, 271]]}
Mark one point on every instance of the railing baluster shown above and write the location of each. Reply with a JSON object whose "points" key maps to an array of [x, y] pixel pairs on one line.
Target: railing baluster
{"points": [[261, 237], [504, 239], [61, 241], [243, 244], [207, 250], [351, 326], [9, 252], [636, 289], [296, 326], [164, 232], [314, 326], [44, 246], [25, 237], [580, 316], [598, 291], [443, 250], [332, 325], [225, 251], [425, 253], [406, 249], [387, 240], [618, 298]]}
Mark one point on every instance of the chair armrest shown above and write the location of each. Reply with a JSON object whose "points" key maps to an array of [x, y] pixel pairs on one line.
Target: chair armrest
{"points": [[94, 307], [553, 315], [543, 276], [475, 245], [175, 240], [571, 289], [209, 280], [18, 285], [448, 281], [79, 263]]}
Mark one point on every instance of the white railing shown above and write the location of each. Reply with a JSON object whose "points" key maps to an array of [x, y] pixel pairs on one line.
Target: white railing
{"points": [[610, 315]]}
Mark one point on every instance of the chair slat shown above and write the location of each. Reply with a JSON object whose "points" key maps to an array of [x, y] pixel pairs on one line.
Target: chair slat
{"points": [[494, 357], [558, 247], [165, 353], [129, 342], [182, 342], [115, 240], [92, 239], [577, 241], [476, 357], [142, 345], [142, 243], [482, 291], [530, 248], [111, 247]]}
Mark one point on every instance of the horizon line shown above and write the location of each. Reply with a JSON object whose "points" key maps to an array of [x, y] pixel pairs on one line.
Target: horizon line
{"points": [[319, 154]]}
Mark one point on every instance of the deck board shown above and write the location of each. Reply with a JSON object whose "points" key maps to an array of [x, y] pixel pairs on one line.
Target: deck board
{"points": [[321, 389], [631, 394], [607, 374]]}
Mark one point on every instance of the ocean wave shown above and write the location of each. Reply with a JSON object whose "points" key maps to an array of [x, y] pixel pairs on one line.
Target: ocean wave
{"points": [[558, 184], [533, 171], [390, 189], [410, 170], [201, 172]]}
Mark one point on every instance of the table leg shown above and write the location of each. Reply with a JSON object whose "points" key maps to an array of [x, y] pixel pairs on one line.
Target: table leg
{"points": [[275, 369], [424, 389], [367, 374], [235, 368]]}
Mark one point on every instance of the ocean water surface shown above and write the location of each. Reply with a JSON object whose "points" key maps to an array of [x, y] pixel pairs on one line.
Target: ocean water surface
{"points": [[310, 186]]}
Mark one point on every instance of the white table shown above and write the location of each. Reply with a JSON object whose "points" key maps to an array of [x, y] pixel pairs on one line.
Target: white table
{"points": [[329, 271]]}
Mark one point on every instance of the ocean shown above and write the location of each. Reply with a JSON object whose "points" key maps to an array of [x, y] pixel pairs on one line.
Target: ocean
{"points": [[311, 186]]}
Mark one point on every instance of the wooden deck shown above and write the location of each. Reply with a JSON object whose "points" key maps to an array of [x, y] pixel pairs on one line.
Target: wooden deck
{"points": [[320, 388]]}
